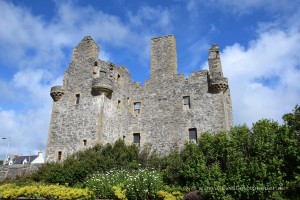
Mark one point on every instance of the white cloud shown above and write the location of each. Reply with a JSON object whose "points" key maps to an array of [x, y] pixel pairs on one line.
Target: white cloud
{"points": [[26, 130], [247, 6], [263, 76]]}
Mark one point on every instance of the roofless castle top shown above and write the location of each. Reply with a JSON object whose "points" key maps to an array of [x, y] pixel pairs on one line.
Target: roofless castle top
{"points": [[98, 102]]}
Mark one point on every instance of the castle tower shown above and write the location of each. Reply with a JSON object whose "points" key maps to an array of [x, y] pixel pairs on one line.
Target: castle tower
{"points": [[218, 83], [163, 56], [86, 49]]}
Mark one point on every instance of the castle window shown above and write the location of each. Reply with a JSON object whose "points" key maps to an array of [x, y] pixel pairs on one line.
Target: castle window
{"points": [[77, 98], [119, 78], [137, 107], [119, 105], [186, 102], [59, 155], [193, 135], [84, 142], [136, 139]]}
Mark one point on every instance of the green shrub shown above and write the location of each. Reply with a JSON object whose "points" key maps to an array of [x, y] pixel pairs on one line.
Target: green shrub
{"points": [[12, 191], [78, 166]]}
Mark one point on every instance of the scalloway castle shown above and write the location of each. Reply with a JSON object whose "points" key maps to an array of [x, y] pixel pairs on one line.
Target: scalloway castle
{"points": [[98, 102]]}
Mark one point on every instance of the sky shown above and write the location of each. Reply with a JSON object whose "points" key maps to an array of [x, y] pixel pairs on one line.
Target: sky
{"points": [[259, 44]]}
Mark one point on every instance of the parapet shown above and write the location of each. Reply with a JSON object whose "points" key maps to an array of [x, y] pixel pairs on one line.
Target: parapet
{"points": [[56, 92], [218, 85]]}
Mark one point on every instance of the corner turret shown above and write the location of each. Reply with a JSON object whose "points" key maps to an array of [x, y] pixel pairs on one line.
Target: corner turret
{"points": [[56, 92], [217, 82], [102, 83]]}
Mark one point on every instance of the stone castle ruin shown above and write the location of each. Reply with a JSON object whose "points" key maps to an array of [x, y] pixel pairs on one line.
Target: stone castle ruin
{"points": [[99, 103]]}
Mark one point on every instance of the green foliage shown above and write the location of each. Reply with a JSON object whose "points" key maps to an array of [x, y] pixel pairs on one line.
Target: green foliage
{"points": [[78, 166], [119, 192], [176, 195], [258, 163], [171, 166], [12, 191]]}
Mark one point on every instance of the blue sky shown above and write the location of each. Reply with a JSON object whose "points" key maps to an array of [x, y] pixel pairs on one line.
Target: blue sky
{"points": [[259, 43]]}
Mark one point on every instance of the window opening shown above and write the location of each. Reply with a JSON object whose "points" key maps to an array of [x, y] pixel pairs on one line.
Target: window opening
{"points": [[136, 138], [119, 105], [77, 98], [84, 142], [193, 135], [186, 101], [59, 154], [95, 67], [118, 78], [137, 107]]}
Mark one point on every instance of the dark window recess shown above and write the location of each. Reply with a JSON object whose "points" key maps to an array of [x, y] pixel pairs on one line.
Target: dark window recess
{"points": [[118, 78], [102, 73], [119, 105], [77, 98], [84, 142], [59, 154], [136, 138], [186, 101], [137, 107], [193, 134]]}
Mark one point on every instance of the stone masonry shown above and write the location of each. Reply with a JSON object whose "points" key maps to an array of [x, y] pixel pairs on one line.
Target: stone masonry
{"points": [[99, 103]]}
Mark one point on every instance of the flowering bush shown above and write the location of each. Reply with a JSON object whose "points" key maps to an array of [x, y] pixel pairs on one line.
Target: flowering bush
{"points": [[176, 195], [12, 191], [119, 192], [139, 184]]}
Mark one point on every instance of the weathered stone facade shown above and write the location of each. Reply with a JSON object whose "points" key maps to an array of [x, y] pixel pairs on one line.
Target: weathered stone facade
{"points": [[98, 102]]}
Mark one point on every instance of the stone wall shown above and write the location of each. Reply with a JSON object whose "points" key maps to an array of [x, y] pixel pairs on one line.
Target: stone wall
{"points": [[96, 103], [13, 171]]}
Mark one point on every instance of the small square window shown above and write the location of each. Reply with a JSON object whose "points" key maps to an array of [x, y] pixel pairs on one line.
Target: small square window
{"points": [[136, 138], [193, 135], [137, 107], [186, 101], [59, 155], [77, 98]]}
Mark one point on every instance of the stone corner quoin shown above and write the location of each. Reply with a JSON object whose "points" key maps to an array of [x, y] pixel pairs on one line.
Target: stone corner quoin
{"points": [[99, 103]]}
